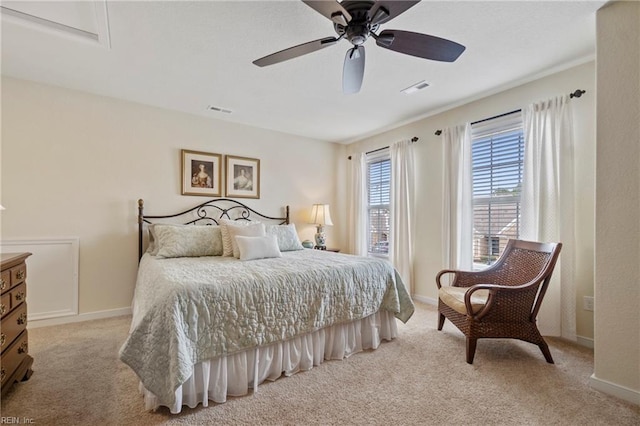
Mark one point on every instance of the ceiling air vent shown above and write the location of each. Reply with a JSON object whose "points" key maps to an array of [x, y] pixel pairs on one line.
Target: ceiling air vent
{"points": [[219, 109], [418, 86]]}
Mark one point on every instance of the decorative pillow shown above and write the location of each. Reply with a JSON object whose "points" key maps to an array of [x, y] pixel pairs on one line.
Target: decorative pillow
{"points": [[153, 245], [258, 247], [227, 247], [217, 240], [152, 248], [228, 240], [186, 240], [254, 230], [286, 235]]}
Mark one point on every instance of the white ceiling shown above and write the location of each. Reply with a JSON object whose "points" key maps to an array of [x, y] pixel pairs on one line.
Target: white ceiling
{"points": [[187, 55]]}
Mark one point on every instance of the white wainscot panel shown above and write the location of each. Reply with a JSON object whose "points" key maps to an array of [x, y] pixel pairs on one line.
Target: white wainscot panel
{"points": [[52, 275]]}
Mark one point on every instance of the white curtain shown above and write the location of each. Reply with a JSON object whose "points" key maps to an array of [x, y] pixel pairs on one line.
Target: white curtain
{"points": [[548, 205], [357, 205], [457, 213], [402, 210]]}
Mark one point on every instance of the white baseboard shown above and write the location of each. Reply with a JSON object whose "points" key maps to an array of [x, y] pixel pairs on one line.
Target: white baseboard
{"points": [[622, 392], [425, 299], [79, 318], [585, 341]]}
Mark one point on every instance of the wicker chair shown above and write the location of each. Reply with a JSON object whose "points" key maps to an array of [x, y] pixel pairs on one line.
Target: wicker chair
{"points": [[503, 300]]}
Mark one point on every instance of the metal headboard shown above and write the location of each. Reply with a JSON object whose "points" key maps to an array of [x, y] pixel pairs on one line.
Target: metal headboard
{"points": [[207, 213]]}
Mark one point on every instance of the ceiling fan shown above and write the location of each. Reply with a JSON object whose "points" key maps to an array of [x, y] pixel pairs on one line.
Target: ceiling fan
{"points": [[356, 20]]}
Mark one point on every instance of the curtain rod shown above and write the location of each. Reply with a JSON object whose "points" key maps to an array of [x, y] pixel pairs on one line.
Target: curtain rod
{"points": [[413, 140], [576, 94]]}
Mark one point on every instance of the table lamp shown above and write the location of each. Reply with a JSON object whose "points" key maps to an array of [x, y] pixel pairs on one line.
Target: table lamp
{"points": [[321, 216]]}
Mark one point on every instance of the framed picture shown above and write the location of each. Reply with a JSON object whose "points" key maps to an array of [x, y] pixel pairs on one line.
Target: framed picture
{"points": [[201, 173], [243, 177]]}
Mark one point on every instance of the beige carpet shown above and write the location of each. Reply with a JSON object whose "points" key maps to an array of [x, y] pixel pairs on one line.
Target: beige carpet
{"points": [[420, 378]]}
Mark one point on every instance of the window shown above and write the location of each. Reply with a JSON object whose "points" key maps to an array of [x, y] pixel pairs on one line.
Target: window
{"points": [[497, 160], [378, 200]]}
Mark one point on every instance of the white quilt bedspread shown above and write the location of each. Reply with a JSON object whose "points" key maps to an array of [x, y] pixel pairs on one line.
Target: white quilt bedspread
{"points": [[187, 310]]}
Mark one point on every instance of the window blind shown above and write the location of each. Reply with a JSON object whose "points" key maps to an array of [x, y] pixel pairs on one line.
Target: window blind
{"points": [[497, 161], [378, 200]]}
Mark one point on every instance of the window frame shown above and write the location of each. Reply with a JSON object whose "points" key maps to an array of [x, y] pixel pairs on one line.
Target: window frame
{"points": [[497, 133], [377, 157]]}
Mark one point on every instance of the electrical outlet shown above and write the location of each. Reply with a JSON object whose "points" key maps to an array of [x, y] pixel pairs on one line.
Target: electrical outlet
{"points": [[587, 303]]}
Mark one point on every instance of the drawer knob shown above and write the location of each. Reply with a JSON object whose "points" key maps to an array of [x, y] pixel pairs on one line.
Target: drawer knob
{"points": [[24, 346], [22, 319], [20, 296], [20, 274], [3, 309], [3, 338], [3, 284]]}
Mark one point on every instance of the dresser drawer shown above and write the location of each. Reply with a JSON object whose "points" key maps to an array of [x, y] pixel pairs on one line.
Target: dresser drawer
{"points": [[5, 280], [12, 325], [18, 295], [18, 274], [5, 304], [13, 298], [13, 356]]}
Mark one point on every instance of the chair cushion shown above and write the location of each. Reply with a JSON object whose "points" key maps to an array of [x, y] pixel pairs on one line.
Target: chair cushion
{"points": [[454, 298]]}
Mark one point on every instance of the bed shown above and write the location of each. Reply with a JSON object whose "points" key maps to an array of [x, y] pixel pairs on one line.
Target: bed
{"points": [[216, 319]]}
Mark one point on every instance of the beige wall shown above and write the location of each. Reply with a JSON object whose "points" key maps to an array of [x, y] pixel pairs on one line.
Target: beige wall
{"points": [[429, 173], [617, 322], [74, 164]]}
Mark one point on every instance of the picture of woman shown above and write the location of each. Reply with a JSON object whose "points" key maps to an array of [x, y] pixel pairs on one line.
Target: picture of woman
{"points": [[201, 177], [201, 173], [242, 178]]}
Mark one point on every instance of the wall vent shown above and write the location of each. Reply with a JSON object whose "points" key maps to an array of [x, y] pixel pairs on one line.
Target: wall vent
{"points": [[414, 88]]}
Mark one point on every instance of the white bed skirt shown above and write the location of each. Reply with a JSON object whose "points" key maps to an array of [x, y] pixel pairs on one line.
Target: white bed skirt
{"points": [[235, 374]]}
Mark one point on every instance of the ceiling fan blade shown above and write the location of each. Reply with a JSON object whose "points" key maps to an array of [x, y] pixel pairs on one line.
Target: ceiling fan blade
{"points": [[385, 10], [331, 10], [353, 70], [295, 51], [420, 45]]}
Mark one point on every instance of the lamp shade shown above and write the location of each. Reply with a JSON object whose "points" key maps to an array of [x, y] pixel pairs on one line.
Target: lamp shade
{"points": [[320, 214]]}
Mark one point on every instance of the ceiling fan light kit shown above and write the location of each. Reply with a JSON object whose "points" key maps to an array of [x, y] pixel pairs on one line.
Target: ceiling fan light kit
{"points": [[355, 21], [353, 70]]}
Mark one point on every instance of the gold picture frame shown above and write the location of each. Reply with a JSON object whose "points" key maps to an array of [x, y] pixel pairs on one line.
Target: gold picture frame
{"points": [[242, 176], [201, 173]]}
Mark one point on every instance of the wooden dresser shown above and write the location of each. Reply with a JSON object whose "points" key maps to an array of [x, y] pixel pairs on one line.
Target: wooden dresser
{"points": [[15, 362]]}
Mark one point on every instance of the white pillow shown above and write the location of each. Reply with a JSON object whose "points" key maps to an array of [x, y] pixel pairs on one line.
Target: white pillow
{"points": [[258, 247], [227, 243], [287, 236], [252, 230], [231, 228], [186, 240]]}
